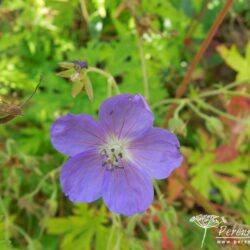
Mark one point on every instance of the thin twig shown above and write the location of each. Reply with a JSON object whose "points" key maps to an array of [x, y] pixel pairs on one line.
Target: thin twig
{"points": [[84, 11], [34, 92], [202, 201], [143, 66]]}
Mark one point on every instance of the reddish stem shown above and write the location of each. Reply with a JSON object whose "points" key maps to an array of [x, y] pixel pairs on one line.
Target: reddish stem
{"points": [[182, 88], [202, 201]]}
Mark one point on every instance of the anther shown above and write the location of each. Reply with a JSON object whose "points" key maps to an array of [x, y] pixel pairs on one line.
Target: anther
{"points": [[115, 158], [104, 152], [112, 153], [121, 167]]}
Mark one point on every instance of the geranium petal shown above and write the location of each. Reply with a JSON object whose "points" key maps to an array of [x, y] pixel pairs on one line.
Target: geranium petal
{"points": [[81, 177], [127, 190], [74, 134], [126, 115], [156, 152]]}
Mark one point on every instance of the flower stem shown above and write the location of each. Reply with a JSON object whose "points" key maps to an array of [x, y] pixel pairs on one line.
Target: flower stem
{"points": [[24, 234], [39, 186], [219, 112], [226, 92], [168, 101], [204, 236], [84, 11], [143, 67], [180, 107], [234, 84], [197, 111], [110, 78], [225, 89]]}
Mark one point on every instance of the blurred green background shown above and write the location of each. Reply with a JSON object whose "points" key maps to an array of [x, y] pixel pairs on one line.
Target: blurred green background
{"points": [[139, 43]]}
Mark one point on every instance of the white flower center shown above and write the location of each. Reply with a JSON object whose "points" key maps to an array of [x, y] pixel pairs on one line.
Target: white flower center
{"points": [[113, 152]]}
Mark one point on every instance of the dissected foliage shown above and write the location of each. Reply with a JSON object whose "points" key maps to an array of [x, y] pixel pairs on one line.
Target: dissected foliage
{"points": [[211, 121]]}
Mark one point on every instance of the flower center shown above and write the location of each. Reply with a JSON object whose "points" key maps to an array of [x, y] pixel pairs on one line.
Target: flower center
{"points": [[112, 152]]}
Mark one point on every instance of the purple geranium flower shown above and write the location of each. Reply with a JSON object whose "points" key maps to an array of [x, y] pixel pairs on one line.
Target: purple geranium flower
{"points": [[117, 157]]}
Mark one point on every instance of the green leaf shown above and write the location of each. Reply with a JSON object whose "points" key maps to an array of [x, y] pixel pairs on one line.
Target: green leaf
{"points": [[79, 230], [88, 88], [66, 73], [236, 61], [207, 174], [234, 168], [66, 65], [77, 87], [202, 174], [232, 57], [229, 192]]}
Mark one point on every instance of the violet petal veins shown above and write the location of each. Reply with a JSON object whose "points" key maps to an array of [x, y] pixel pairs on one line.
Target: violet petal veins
{"points": [[116, 157]]}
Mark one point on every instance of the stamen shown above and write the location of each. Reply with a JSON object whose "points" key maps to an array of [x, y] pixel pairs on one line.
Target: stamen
{"points": [[112, 152], [120, 167]]}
